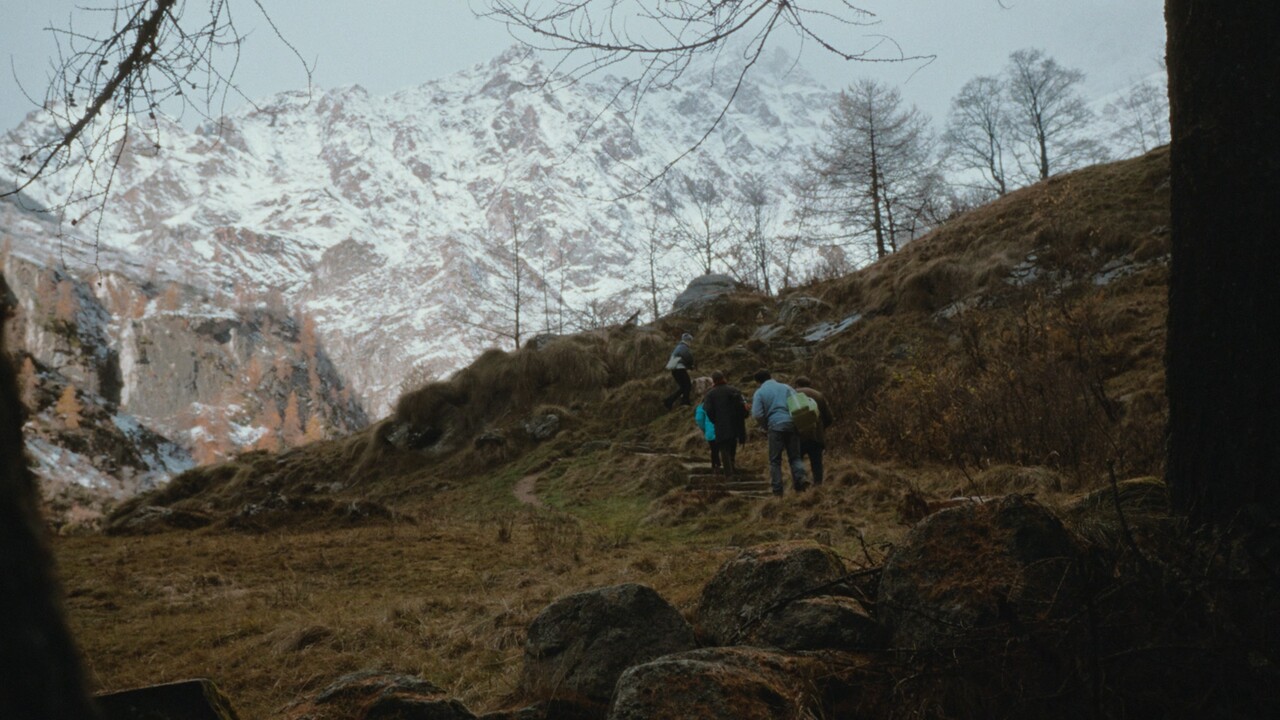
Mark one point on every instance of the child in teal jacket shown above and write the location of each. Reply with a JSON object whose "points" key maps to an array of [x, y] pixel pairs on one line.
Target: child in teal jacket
{"points": [[708, 429]]}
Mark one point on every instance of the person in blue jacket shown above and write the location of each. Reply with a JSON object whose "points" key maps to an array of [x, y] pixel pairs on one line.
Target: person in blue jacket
{"points": [[769, 408], [708, 429]]}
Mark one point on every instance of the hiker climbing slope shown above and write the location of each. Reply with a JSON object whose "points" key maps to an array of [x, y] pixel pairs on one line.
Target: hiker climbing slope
{"points": [[813, 438], [769, 408], [727, 411], [680, 363]]}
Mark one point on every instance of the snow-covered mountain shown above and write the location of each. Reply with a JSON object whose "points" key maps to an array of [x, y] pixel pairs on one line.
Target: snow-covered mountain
{"points": [[387, 219]]}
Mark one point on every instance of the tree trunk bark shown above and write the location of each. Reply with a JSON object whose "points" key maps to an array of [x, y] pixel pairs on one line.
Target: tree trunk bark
{"points": [[42, 676], [1224, 297]]}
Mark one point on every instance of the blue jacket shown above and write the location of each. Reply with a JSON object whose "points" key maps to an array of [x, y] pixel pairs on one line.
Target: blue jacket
{"points": [[704, 423], [769, 406]]}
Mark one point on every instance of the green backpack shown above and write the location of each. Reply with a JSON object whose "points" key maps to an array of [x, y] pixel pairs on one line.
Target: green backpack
{"points": [[804, 415]]}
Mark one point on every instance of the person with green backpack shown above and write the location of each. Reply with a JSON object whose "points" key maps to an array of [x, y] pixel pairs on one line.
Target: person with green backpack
{"points": [[811, 425], [769, 408]]}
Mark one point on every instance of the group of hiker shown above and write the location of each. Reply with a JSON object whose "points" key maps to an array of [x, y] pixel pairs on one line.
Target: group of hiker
{"points": [[794, 418]]}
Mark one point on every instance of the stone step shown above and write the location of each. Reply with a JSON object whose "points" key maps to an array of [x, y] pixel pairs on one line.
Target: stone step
{"points": [[750, 485]]}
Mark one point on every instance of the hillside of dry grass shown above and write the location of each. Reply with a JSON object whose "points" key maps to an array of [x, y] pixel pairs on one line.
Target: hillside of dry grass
{"points": [[1018, 348]]}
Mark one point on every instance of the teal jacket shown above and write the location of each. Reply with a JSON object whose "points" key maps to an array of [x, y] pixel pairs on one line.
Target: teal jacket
{"points": [[707, 427]]}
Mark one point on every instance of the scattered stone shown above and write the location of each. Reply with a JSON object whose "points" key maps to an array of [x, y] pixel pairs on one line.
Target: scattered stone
{"points": [[579, 645], [798, 308], [198, 699], [490, 438], [371, 695], [760, 581], [404, 436], [976, 566], [542, 427]]}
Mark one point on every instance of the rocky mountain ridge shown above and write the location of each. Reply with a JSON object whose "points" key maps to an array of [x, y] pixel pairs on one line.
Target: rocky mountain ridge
{"points": [[386, 219]]}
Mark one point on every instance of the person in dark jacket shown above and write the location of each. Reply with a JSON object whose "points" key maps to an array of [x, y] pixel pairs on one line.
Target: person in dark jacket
{"points": [[727, 410], [680, 363], [813, 447]]}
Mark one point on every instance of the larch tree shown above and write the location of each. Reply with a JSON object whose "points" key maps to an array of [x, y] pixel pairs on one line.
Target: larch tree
{"points": [[69, 408], [874, 170], [29, 384], [291, 423]]}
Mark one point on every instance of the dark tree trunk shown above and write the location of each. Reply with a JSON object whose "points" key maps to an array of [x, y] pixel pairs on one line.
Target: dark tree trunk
{"points": [[1224, 294], [41, 679]]}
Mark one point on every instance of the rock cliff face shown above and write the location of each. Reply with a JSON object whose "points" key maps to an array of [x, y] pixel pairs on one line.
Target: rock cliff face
{"points": [[127, 383]]}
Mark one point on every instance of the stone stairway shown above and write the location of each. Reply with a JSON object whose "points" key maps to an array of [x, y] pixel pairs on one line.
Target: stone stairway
{"points": [[743, 483], [746, 483]]}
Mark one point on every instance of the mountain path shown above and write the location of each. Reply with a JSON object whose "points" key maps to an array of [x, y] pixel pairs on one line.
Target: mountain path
{"points": [[524, 491]]}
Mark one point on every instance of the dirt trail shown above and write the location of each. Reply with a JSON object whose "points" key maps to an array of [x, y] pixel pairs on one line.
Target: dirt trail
{"points": [[524, 491]]}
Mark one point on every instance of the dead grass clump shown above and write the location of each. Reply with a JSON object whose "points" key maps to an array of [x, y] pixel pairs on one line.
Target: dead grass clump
{"points": [[679, 506], [635, 352], [1006, 479], [933, 286]]}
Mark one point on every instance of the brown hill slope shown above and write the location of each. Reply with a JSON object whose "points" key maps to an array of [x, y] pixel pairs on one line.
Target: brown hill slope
{"points": [[1026, 332], [1018, 348]]}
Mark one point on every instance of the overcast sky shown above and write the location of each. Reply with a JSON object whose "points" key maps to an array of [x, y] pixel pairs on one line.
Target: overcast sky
{"points": [[387, 45]]}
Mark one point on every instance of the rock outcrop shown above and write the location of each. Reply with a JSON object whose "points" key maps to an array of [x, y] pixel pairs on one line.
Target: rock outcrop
{"points": [[579, 645], [977, 566], [744, 684], [761, 581]]}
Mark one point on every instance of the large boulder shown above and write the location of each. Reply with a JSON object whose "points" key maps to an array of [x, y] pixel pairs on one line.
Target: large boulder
{"points": [[371, 695], [702, 291], [976, 566], [745, 684], [198, 699], [579, 645], [759, 582], [818, 623]]}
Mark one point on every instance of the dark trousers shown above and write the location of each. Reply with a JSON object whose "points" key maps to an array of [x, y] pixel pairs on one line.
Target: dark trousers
{"points": [[728, 454], [715, 453], [813, 450], [788, 441], [684, 387]]}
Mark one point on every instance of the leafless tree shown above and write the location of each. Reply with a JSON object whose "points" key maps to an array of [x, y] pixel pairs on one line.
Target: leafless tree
{"points": [[977, 129], [1048, 117], [874, 171], [652, 249], [701, 225], [756, 211], [665, 36], [1140, 116], [117, 67], [499, 295]]}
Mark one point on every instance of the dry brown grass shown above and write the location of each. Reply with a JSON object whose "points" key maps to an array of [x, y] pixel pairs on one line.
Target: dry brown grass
{"points": [[1030, 388]]}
